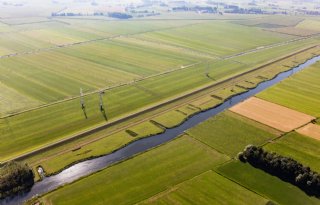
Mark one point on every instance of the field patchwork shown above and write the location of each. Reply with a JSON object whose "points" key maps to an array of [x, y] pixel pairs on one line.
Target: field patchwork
{"points": [[301, 148], [310, 130], [141, 177], [208, 188], [300, 92], [228, 38], [271, 114], [232, 140]]}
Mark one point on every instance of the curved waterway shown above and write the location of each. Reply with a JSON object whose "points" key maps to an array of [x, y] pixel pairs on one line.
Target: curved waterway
{"points": [[90, 166]]}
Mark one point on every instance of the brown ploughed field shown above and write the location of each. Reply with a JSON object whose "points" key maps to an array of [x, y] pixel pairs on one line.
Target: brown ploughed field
{"points": [[310, 130], [273, 115]]}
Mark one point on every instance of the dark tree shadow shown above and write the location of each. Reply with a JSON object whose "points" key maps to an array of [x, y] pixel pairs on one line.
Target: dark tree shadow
{"points": [[104, 113], [85, 112]]}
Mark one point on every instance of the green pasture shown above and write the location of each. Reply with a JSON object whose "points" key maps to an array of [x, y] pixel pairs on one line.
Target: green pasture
{"points": [[188, 110], [16, 42], [45, 79], [301, 148], [274, 53], [206, 103], [239, 133], [49, 124], [208, 188], [144, 129], [165, 47], [216, 38], [300, 92], [59, 36], [170, 119], [310, 25], [12, 100], [272, 21], [114, 28], [41, 78], [266, 185], [141, 177], [130, 58]]}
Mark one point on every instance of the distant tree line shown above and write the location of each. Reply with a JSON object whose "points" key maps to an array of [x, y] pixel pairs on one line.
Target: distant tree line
{"points": [[118, 15], [203, 9], [285, 168], [237, 10], [15, 178]]}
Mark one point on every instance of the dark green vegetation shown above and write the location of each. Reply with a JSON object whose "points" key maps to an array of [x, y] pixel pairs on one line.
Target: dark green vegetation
{"points": [[301, 148], [15, 178], [265, 184], [285, 168]]}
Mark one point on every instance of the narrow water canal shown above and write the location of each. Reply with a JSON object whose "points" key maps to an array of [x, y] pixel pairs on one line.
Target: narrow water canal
{"points": [[90, 166]]}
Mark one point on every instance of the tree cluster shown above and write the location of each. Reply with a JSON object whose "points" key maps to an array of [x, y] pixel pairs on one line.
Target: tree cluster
{"points": [[285, 168], [119, 15], [15, 178]]}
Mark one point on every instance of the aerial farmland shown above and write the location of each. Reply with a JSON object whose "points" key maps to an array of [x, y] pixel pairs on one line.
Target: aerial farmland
{"points": [[159, 102]]}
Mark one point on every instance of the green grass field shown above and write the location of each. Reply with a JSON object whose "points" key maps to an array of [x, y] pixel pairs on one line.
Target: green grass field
{"points": [[273, 53], [300, 92], [266, 185], [145, 129], [239, 134], [206, 103], [170, 119], [271, 21], [310, 24], [208, 188], [301, 148], [143, 176], [55, 122], [216, 38]]}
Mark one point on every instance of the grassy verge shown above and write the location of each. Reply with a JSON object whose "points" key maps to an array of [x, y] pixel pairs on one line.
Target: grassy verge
{"points": [[171, 119]]}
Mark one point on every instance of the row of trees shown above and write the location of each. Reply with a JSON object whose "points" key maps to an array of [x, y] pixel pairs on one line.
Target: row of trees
{"points": [[118, 15], [285, 168], [15, 178]]}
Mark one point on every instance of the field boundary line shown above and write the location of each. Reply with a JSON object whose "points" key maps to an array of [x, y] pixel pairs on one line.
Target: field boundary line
{"points": [[148, 109], [172, 188], [234, 181], [209, 146]]}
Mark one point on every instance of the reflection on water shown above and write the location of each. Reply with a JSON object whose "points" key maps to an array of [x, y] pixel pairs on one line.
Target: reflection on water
{"points": [[90, 166]]}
